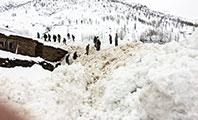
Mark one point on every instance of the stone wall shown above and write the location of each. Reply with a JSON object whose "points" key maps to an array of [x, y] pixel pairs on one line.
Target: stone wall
{"points": [[19, 45], [26, 46], [30, 47], [52, 54]]}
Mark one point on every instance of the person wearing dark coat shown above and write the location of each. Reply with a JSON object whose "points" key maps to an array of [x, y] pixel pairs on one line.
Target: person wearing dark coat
{"points": [[98, 43], [75, 56], [49, 37], [87, 49], [38, 35], [94, 40], [68, 36], [73, 38], [67, 59], [64, 41], [110, 38], [59, 38], [45, 37], [116, 39], [54, 37]]}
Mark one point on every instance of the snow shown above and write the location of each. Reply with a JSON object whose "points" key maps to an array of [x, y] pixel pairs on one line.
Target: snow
{"points": [[35, 72], [131, 82], [13, 1], [65, 17], [12, 56], [184, 8], [42, 94], [192, 42]]}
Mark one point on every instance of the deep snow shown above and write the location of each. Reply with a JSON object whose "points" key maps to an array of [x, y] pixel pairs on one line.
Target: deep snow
{"points": [[133, 81]]}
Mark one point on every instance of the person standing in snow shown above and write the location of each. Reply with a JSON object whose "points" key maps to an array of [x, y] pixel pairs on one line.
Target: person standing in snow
{"points": [[110, 38], [94, 40], [38, 35], [54, 37], [67, 59], [64, 41], [59, 38], [68, 36], [75, 56], [98, 43], [45, 37], [49, 37], [116, 39], [87, 49], [73, 38]]}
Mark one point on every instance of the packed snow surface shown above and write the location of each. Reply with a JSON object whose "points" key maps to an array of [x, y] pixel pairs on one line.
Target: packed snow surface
{"points": [[133, 81]]}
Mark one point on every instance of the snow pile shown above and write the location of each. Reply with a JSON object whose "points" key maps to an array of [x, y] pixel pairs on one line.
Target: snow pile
{"points": [[158, 83], [36, 72], [57, 96]]}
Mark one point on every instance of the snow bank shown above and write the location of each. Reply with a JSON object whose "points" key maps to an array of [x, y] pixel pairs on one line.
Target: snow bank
{"points": [[58, 95], [159, 82], [36, 72], [160, 85]]}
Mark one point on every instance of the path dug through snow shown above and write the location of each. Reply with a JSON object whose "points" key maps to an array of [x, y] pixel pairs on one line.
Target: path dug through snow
{"points": [[99, 66]]}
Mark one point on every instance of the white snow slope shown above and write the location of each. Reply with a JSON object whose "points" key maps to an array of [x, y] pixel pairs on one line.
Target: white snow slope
{"points": [[133, 81], [88, 18]]}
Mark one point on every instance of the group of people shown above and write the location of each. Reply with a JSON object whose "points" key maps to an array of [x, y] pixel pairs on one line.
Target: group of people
{"points": [[116, 39], [49, 38], [67, 58], [96, 41], [97, 45]]}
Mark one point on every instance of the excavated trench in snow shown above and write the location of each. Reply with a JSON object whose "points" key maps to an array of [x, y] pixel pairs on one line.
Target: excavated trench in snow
{"points": [[99, 65]]}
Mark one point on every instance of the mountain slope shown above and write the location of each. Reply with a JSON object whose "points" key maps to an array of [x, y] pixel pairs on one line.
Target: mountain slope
{"points": [[86, 19]]}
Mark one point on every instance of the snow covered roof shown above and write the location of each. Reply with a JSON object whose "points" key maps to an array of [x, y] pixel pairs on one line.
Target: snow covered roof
{"points": [[12, 56]]}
